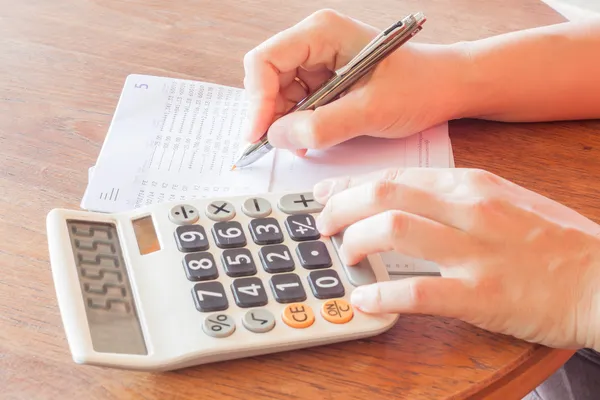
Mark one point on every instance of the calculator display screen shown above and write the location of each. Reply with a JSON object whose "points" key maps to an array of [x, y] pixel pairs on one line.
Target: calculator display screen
{"points": [[111, 312]]}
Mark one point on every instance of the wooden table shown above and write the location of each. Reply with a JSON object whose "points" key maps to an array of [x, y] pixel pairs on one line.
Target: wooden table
{"points": [[62, 69]]}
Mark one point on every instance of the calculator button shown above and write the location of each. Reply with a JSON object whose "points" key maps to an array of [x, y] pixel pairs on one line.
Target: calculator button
{"points": [[220, 211], [259, 320], [302, 227], [326, 284], [200, 266], [191, 238], [210, 296], [313, 255], [238, 262], [249, 292], [229, 234], [218, 325], [287, 288], [359, 274], [276, 258], [337, 311], [299, 203], [184, 214], [256, 207], [298, 315], [266, 231]]}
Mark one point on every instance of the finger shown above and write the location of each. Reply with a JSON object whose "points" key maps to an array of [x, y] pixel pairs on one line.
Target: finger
{"points": [[439, 180], [407, 234], [445, 297], [323, 39], [359, 202], [328, 125]]}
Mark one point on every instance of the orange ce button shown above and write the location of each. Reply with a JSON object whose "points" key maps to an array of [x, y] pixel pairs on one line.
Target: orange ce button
{"points": [[298, 315]]}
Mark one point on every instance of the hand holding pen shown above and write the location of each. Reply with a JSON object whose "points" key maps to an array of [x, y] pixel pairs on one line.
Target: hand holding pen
{"points": [[309, 67]]}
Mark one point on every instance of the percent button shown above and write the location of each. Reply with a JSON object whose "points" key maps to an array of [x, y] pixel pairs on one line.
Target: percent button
{"points": [[219, 325]]}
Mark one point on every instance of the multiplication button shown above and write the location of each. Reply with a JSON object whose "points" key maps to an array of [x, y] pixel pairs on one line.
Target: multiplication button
{"points": [[276, 258], [220, 211], [266, 231], [287, 288], [191, 238], [229, 234], [249, 292], [259, 321], [326, 284], [238, 262], [302, 227], [313, 255], [210, 296], [218, 325], [200, 266], [298, 315]]}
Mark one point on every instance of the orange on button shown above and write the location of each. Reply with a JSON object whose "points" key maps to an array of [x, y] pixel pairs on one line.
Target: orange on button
{"points": [[298, 315], [337, 311]]}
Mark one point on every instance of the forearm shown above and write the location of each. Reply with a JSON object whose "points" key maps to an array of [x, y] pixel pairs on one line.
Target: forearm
{"points": [[542, 74]]}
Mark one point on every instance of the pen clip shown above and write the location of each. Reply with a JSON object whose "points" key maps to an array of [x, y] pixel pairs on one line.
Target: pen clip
{"points": [[396, 28]]}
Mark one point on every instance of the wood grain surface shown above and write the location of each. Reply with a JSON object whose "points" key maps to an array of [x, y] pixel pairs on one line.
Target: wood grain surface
{"points": [[62, 67]]}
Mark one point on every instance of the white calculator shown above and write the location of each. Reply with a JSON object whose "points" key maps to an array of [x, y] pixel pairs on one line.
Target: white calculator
{"points": [[174, 285]]}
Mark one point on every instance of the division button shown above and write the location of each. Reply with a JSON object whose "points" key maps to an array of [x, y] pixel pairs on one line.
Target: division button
{"points": [[229, 234], [265, 231], [220, 211], [298, 315], [337, 311], [302, 227], [276, 258], [299, 203], [191, 238], [313, 255], [326, 284], [256, 207], [259, 320], [200, 266], [287, 288], [249, 292], [210, 296], [238, 262], [218, 325], [184, 214]]}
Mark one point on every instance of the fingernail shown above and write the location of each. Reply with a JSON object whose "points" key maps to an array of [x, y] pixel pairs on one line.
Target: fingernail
{"points": [[364, 298], [278, 135], [322, 190]]}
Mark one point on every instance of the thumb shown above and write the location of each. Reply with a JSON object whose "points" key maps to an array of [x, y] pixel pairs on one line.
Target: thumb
{"points": [[445, 297], [326, 126]]}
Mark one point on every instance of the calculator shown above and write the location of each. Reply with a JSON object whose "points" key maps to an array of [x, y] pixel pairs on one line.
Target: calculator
{"points": [[173, 285]]}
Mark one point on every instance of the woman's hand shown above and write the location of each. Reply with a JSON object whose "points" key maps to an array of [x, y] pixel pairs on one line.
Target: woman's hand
{"points": [[408, 92], [512, 261]]}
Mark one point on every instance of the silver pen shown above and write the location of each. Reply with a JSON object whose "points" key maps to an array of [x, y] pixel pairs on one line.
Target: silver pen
{"points": [[380, 47]]}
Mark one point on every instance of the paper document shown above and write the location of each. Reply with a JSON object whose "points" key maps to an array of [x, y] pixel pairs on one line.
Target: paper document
{"points": [[174, 139]]}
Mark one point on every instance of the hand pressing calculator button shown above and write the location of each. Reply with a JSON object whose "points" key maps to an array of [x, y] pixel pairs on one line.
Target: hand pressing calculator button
{"points": [[205, 280]]}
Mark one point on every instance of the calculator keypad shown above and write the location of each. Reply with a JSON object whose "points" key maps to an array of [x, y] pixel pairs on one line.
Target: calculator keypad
{"points": [[210, 296], [229, 234], [191, 238], [249, 292], [276, 258], [200, 266], [313, 255], [287, 288], [238, 262], [266, 231]]}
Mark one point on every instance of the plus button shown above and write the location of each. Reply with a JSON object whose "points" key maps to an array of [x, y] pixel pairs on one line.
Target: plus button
{"points": [[304, 201]]}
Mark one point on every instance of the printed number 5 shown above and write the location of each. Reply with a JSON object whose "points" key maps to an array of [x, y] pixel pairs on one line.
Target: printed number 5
{"points": [[141, 85]]}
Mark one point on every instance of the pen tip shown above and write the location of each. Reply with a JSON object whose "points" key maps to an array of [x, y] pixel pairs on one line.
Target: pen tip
{"points": [[232, 168]]}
